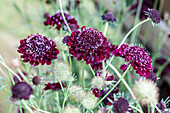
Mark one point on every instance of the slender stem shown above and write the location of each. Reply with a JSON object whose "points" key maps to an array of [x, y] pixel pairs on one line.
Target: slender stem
{"points": [[23, 76], [26, 106], [113, 87], [136, 108], [65, 98], [3, 73], [39, 69], [10, 109], [9, 70], [91, 70], [123, 80], [157, 108], [64, 17], [105, 29], [84, 85], [20, 108], [142, 22]]}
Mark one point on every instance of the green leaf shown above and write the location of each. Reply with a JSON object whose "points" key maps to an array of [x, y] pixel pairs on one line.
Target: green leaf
{"points": [[17, 9]]}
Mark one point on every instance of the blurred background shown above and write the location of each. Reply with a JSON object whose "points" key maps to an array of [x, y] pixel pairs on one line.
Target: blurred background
{"points": [[21, 18]]}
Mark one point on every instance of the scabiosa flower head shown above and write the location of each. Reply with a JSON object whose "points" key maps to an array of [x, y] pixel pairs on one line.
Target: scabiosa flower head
{"points": [[21, 90], [89, 101], [154, 15], [138, 58], [152, 76], [89, 44], [36, 80], [146, 91], [71, 109], [121, 105], [62, 70], [97, 81], [16, 62], [77, 93], [54, 86], [58, 21], [60, 45], [109, 17], [38, 49]]}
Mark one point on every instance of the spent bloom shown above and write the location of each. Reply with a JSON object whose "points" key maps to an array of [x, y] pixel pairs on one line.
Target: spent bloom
{"points": [[138, 58], [89, 45], [109, 17], [54, 86], [58, 21], [71, 109], [37, 49], [146, 91], [121, 105], [21, 90]]}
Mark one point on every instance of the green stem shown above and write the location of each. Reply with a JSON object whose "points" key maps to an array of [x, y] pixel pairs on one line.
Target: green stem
{"points": [[113, 87], [105, 29], [39, 69], [20, 108], [84, 85], [3, 73], [23, 76], [65, 98], [123, 80], [142, 22], [64, 17], [10, 109], [135, 108], [91, 70], [26, 106], [157, 108]]}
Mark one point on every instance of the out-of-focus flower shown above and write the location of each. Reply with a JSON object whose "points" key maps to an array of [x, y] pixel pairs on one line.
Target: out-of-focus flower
{"points": [[109, 17], [50, 1], [38, 49], [90, 45], [60, 45], [97, 81], [36, 80], [121, 105], [54, 86], [138, 58], [46, 14], [17, 80], [16, 62], [161, 105], [154, 15], [77, 94], [146, 91], [152, 76], [71, 109], [21, 90], [58, 21]]}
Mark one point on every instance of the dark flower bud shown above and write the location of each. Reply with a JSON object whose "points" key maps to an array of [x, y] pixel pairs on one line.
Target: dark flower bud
{"points": [[21, 90], [36, 80], [121, 105], [154, 15], [109, 17]]}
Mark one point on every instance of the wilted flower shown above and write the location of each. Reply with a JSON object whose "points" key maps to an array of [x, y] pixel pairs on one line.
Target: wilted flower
{"points": [[138, 58], [21, 90], [36, 80], [121, 105], [38, 49], [109, 17], [146, 91], [77, 93], [54, 86], [58, 21], [90, 45]]}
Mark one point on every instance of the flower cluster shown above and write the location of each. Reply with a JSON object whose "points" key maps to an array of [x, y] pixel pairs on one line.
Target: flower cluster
{"points": [[58, 20], [54, 86], [38, 49], [90, 45], [138, 58]]}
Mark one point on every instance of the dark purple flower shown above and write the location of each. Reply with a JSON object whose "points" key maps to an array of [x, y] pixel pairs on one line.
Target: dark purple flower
{"points": [[21, 90], [161, 105], [38, 49], [109, 17], [124, 67], [96, 92], [36, 80], [109, 78], [138, 58], [121, 105], [154, 15], [152, 76], [54, 86], [65, 39], [16, 79], [46, 14], [90, 45], [58, 21]]}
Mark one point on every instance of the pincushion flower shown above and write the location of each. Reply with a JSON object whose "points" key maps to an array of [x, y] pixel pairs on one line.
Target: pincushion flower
{"points": [[138, 58], [54, 86], [121, 105], [154, 15], [58, 21], [89, 45], [38, 49], [109, 17], [21, 90]]}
